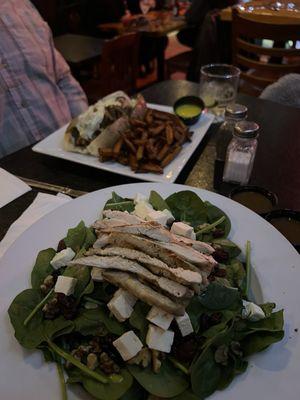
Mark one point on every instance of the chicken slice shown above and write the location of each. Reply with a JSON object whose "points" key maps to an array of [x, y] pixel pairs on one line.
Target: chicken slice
{"points": [[143, 292], [155, 265], [122, 215], [174, 289]]}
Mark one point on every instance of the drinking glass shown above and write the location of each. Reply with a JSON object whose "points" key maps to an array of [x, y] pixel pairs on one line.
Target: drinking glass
{"points": [[218, 87]]}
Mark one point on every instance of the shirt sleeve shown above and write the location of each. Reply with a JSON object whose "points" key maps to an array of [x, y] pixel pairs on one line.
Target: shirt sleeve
{"points": [[73, 92]]}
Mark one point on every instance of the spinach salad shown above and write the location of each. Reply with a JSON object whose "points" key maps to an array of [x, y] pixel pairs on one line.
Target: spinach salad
{"points": [[152, 299]]}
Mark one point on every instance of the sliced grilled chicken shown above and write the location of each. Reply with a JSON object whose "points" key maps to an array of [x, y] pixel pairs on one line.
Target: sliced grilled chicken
{"points": [[152, 248], [202, 247], [204, 261], [155, 231], [143, 292], [155, 265], [172, 288], [102, 241]]}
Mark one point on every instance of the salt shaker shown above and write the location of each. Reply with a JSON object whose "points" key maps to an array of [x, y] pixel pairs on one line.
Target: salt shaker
{"points": [[241, 153], [233, 114]]}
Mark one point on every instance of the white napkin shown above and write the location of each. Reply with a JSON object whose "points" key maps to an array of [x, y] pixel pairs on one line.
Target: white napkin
{"points": [[11, 187], [42, 205]]}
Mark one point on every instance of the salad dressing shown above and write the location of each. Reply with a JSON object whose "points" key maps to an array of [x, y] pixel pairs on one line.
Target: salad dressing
{"points": [[188, 110]]}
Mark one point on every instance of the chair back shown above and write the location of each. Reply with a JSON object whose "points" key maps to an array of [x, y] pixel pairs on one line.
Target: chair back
{"points": [[262, 66], [118, 69]]}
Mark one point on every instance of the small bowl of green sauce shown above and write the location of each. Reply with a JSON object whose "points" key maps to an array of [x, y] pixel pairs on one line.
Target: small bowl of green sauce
{"points": [[189, 109]]}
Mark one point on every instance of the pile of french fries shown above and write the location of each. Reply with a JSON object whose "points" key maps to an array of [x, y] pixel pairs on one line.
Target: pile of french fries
{"points": [[149, 145]]}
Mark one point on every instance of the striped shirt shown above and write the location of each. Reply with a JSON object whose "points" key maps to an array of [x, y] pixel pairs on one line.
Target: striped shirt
{"points": [[37, 91]]}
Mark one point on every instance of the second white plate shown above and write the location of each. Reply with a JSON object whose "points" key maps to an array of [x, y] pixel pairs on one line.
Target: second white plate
{"points": [[52, 145]]}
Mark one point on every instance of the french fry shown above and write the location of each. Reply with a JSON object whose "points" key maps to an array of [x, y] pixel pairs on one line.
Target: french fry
{"points": [[129, 144], [117, 147], [156, 130], [170, 157], [169, 134], [106, 154], [161, 115], [133, 162], [163, 152], [150, 167], [149, 117], [140, 153], [137, 123]]}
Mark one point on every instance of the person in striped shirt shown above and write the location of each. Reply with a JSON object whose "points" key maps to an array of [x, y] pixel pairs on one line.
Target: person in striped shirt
{"points": [[38, 94]]}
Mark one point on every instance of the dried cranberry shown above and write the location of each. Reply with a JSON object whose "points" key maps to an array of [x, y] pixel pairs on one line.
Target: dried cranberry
{"points": [[61, 245], [220, 255], [185, 351], [220, 272], [218, 233]]}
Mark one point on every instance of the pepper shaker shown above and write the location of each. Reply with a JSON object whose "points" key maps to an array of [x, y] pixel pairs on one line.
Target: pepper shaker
{"points": [[241, 153]]}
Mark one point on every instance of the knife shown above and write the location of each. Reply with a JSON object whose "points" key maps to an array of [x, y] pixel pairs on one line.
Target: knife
{"points": [[52, 188]]}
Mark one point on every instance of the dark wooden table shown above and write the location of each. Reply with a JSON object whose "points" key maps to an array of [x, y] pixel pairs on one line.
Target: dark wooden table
{"points": [[276, 165], [78, 49]]}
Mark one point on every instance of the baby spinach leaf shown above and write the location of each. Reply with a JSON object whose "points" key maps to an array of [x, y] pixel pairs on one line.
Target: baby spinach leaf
{"points": [[218, 297], [57, 327], [272, 324], [205, 374], [195, 309], [91, 322], [108, 391], [90, 238], [232, 249], [138, 319], [187, 395], [82, 274], [42, 267], [136, 392], [103, 291], [24, 303], [214, 213], [169, 382], [186, 206], [236, 274], [259, 341], [157, 202], [119, 203], [75, 237]]}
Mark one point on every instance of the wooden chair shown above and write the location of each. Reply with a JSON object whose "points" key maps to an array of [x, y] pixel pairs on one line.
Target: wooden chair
{"points": [[180, 62], [117, 69], [256, 62]]}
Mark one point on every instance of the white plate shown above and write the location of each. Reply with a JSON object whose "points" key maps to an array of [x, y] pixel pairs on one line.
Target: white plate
{"points": [[272, 374], [52, 145]]}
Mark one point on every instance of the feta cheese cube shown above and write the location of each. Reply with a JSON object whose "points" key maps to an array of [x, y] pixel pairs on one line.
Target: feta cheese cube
{"points": [[65, 285], [184, 324], [161, 217], [96, 274], [252, 311], [181, 229], [169, 215], [158, 339], [142, 209], [160, 318], [128, 345], [139, 197], [121, 305], [62, 258]]}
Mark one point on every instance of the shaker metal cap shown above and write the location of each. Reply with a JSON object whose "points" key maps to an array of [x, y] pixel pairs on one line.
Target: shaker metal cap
{"points": [[246, 129], [236, 110]]}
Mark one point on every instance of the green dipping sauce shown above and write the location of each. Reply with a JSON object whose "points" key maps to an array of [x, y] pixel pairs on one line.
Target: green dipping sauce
{"points": [[188, 110], [256, 201]]}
